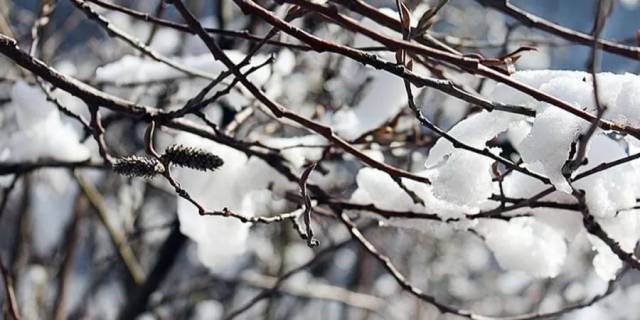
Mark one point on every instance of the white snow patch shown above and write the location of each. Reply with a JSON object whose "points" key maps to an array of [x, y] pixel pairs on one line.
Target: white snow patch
{"points": [[524, 244]]}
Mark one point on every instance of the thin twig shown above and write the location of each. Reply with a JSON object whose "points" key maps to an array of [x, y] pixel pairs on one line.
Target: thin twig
{"points": [[281, 112], [10, 294], [532, 20], [125, 252], [322, 254], [306, 215], [136, 43], [6, 192]]}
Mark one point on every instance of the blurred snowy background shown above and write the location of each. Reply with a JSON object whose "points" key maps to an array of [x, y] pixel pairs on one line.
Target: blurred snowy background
{"points": [[82, 244]]}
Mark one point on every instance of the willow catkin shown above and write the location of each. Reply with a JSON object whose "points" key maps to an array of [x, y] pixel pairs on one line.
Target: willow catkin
{"points": [[190, 157], [138, 166]]}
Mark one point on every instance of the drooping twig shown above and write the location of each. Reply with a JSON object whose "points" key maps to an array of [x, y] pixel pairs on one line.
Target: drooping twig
{"points": [[583, 141], [306, 215]]}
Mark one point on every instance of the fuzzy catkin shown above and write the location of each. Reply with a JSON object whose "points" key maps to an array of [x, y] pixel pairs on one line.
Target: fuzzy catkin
{"points": [[190, 157], [138, 166]]}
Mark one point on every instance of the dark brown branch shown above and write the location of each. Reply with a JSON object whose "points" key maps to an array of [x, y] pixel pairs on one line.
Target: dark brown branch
{"points": [[280, 111], [222, 32], [473, 66], [19, 168], [534, 21], [91, 95], [593, 227]]}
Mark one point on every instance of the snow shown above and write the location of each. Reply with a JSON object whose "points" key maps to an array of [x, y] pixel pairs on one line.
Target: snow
{"points": [[378, 188], [38, 131], [32, 284], [525, 244], [624, 229], [630, 3], [295, 149], [626, 106], [474, 131], [554, 130], [462, 178], [285, 62], [56, 192], [384, 95], [208, 309], [492, 258], [614, 189], [132, 68], [551, 151], [241, 185]]}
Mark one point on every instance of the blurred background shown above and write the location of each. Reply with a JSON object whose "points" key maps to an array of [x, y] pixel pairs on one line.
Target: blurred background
{"points": [[60, 251]]}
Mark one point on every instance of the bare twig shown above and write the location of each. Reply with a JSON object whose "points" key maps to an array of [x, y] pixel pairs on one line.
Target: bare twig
{"points": [[125, 253], [281, 112], [136, 43], [10, 294], [6, 192], [266, 293], [532, 20], [311, 240], [398, 276]]}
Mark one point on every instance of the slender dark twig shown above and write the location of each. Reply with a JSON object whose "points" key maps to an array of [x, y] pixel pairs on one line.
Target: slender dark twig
{"points": [[10, 294]]}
